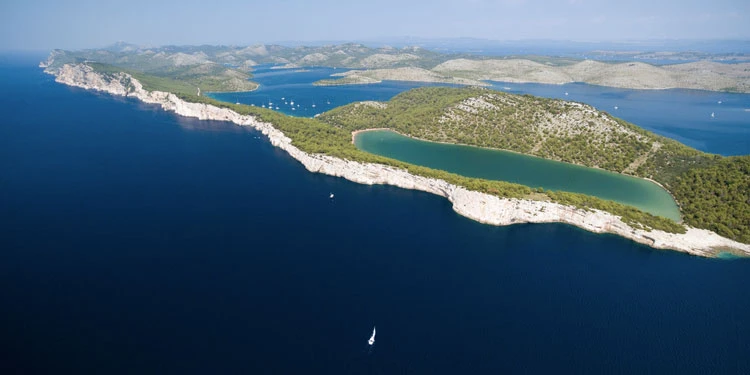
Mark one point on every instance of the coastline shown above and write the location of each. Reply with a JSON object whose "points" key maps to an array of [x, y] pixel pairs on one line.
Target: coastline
{"points": [[477, 206]]}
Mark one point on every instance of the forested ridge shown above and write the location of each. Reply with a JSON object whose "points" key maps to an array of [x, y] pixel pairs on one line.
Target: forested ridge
{"points": [[713, 191]]}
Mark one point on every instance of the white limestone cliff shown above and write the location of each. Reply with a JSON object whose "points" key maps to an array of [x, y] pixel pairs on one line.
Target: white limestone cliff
{"points": [[478, 206]]}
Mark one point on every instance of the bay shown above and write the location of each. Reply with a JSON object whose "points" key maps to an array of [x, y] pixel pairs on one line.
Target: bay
{"points": [[282, 87]]}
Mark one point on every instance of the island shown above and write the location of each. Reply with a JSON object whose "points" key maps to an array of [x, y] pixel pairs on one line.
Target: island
{"points": [[710, 189], [408, 74]]}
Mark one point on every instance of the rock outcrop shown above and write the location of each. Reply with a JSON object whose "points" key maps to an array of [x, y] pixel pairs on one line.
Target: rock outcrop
{"points": [[478, 206]]}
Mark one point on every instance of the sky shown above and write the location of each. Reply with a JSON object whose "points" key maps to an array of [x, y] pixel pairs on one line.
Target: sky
{"points": [[75, 24]]}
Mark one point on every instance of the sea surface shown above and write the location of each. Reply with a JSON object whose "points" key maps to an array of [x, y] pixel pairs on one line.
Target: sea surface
{"points": [[136, 241], [293, 92], [521, 169]]}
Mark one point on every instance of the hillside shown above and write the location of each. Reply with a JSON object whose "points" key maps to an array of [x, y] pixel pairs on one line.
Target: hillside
{"points": [[396, 74], [635, 75], [711, 190]]}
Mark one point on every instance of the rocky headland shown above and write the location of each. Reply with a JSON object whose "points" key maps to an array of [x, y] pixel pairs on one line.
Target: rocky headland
{"points": [[481, 207]]}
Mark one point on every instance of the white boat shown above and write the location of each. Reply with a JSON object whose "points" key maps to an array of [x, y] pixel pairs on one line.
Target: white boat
{"points": [[566, 93], [616, 107], [313, 105], [331, 196], [372, 338], [719, 102], [713, 115], [291, 102], [277, 108]]}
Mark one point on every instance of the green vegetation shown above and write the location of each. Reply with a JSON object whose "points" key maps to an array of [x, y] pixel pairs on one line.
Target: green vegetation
{"points": [[717, 197], [207, 77], [314, 136], [552, 129], [713, 191]]}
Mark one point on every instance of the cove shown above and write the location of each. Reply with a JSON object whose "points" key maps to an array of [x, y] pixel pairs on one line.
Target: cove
{"points": [[527, 170]]}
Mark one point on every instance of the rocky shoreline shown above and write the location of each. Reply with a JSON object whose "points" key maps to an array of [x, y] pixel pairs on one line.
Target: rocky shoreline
{"points": [[477, 206]]}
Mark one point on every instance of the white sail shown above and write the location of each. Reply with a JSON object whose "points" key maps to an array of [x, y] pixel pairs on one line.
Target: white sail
{"points": [[372, 338]]}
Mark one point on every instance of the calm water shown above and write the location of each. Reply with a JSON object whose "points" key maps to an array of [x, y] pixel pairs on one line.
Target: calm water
{"points": [[684, 115], [281, 87], [135, 241], [522, 169]]}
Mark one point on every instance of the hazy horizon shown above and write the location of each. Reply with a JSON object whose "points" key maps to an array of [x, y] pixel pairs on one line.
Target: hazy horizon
{"points": [[46, 24]]}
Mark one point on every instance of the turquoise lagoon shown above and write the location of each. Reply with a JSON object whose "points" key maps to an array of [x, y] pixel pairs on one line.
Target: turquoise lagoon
{"points": [[522, 169]]}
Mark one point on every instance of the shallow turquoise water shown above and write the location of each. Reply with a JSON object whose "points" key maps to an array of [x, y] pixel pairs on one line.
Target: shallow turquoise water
{"points": [[522, 169]]}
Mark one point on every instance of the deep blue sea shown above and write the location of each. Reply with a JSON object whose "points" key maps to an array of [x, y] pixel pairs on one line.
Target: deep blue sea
{"points": [[136, 241]]}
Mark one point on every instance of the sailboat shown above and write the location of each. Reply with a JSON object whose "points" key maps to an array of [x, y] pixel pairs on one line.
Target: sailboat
{"points": [[372, 338], [712, 115]]}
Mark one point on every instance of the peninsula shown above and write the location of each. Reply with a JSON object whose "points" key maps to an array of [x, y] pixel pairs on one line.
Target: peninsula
{"points": [[325, 148]]}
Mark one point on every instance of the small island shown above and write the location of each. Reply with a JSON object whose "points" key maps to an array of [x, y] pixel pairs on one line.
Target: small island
{"points": [[357, 77]]}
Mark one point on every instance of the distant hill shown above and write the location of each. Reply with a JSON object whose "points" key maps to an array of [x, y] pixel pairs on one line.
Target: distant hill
{"points": [[372, 65]]}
